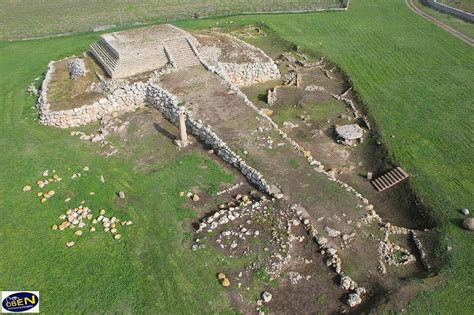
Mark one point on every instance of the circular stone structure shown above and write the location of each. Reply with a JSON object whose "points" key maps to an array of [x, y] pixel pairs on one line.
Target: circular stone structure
{"points": [[350, 132]]}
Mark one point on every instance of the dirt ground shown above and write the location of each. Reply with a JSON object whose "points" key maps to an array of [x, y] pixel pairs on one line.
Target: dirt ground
{"points": [[64, 93], [329, 205]]}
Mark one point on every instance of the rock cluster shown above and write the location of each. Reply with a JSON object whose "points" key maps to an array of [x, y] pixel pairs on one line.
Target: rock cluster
{"points": [[32, 90], [334, 261], [108, 125], [80, 217], [266, 296], [77, 68], [44, 196], [355, 298], [391, 253]]}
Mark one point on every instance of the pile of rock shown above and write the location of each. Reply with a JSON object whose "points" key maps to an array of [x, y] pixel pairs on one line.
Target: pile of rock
{"points": [[77, 68], [272, 96], [44, 196], [391, 253], [78, 218]]}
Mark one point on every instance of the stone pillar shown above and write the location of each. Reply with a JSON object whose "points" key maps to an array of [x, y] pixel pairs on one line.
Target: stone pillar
{"points": [[182, 130]]}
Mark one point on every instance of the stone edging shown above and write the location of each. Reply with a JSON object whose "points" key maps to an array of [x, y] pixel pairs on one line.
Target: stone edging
{"points": [[122, 99], [463, 15]]}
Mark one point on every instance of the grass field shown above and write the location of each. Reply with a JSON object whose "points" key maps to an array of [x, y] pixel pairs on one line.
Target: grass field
{"points": [[22, 19], [415, 78]]}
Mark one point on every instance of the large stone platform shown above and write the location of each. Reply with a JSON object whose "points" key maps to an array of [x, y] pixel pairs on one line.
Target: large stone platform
{"points": [[127, 53]]}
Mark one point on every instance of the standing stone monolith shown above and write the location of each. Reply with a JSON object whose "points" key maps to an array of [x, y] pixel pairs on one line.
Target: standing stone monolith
{"points": [[183, 135]]}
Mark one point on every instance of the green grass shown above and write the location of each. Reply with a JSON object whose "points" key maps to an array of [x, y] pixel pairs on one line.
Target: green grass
{"points": [[29, 18], [458, 24], [415, 78]]}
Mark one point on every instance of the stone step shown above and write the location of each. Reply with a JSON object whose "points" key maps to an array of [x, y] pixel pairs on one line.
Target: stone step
{"points": [[389, 179], [108, 55], [182, 53], [104, 55]]}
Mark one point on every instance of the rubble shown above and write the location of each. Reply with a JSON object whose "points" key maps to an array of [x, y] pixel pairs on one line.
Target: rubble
{"points": [[77, 68]]}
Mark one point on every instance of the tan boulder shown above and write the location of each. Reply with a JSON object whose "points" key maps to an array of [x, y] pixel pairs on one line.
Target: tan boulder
{"points": [[468, 224]]}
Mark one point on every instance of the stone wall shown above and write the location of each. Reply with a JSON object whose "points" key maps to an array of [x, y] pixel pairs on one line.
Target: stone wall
{"points": [[250, 73], [466, 16], [168, 105], [123, 99]]}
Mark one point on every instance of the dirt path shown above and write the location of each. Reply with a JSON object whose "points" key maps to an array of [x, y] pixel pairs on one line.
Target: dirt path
{"points": [[468, 40]]}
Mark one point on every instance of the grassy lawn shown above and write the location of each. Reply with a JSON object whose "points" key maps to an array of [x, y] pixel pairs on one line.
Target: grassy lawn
{"points": [[29, 18], [415, 78]]}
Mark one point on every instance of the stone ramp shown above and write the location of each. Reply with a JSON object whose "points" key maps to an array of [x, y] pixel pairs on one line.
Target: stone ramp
{"points": [[181, 53]]}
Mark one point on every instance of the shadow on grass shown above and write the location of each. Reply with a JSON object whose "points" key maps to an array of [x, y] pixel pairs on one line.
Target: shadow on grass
{"points": [[164, 132]]}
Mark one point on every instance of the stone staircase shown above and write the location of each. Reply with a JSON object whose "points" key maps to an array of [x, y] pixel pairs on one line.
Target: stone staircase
{"points": [[389, 179], [182, 53], [104, 54]]}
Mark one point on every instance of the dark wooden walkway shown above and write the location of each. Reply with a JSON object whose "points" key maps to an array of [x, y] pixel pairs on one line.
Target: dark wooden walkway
{"points": [[389, 179]]}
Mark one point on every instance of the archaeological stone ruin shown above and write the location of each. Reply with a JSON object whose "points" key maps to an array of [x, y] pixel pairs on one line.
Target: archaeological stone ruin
{"points": [[127, 53], [135, 69]]}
